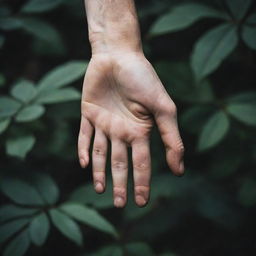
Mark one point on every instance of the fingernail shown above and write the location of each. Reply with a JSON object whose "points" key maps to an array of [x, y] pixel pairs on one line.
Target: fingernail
{"points": [[118, 202], [140, 200], [99, 187]]}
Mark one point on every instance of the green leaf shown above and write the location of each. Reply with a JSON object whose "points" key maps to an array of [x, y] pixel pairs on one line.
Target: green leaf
{"points": [[9, 23], [39, 229], [238, 8], [183, 16], [18, 246], [8, 107], [11, 211], [244, 112], [58, 95], [139, 248], [212, 48], [41, 29], [9, 229], [213, 131], [21, 192], [249, 36], [112, 250], [2, 40], [247, 193], [66, 226], [24, 91], [62, 75], [244, 97], [47, 187], [4, 124], [30, 113], [88, 216], [179, 82], [87, 195], [36, 6], [20, 146]]}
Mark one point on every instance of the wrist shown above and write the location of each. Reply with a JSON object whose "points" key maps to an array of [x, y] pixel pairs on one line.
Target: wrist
{"points": [[113, 26]]}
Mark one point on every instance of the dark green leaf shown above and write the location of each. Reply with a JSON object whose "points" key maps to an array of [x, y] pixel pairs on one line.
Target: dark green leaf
{"points": [[88, 216], [138, 249], [12, 227], [244, 112], [212, 48], [47, 187], [66, 226], [244, 97], [11, 211], [238, 8], [58, 95], [247, 193], [213, 131], [35, 6], [183, 16], [39, 229], [87, 195], [4, 123], [8, 107], [24, 91], [30, 113], [21, 192], [2, 40], [20, 146], [62, 75], [41, 29], [18, 246], [249, 36], [9, 23]]}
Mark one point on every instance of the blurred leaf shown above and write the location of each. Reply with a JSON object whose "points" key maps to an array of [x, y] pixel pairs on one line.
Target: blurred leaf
{"points": [[249, 36], [238, 8], [179, 82], [39, 229], [2, 78], [30, 113], [212, 48], [213, 131], [41, 29], [88, 216], [66, 226], [243, 97], [182, 16], [62, 75], [20, 146], [4, 123], [58, 95], [138, 249], [8, 106], [199, 113], [113, 250], [244, 112], [21, 192], [18, 246], [87, 195], [11, 211], [24, 91], [10, 228], [247, 193], [10, 23], [47, 187], [35, 6]]}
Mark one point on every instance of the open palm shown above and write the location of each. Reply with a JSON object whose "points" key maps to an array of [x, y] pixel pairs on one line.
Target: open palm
{"points": [[122, 95]]}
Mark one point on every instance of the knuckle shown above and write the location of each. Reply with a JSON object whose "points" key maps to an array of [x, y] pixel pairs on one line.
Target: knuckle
{"points": [[119, 191], [119, 165], [171, 109], [141, 166], [98, 151]]}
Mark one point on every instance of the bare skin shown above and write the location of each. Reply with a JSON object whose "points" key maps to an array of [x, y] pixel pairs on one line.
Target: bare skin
{"points": [[122, 96]]}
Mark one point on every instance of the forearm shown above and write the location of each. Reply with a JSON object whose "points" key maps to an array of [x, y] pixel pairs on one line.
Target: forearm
{"points": [[113, 26]]}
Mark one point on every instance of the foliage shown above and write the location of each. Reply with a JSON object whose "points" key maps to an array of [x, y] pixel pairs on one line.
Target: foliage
{"points": [[204, 53]]}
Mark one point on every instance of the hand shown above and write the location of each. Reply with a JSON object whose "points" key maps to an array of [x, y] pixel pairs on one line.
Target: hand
{"points": [[122, 94]]}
